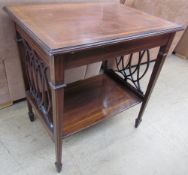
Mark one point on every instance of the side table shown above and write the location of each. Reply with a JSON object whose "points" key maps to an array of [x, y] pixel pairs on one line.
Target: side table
{"points": [[55, 37]]}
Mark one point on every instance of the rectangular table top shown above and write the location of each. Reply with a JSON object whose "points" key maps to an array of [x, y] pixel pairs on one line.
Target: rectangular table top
{"points": [[73, 26]]}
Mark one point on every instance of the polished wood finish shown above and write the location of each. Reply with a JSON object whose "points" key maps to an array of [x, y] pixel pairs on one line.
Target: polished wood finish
{"points": [[57, 77], [55, 37], [112, 51], [60, 28], [108, 99], [154, 76]]}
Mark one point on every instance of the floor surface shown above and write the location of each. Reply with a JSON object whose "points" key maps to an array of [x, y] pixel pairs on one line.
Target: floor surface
{"points": [[114, 147]]}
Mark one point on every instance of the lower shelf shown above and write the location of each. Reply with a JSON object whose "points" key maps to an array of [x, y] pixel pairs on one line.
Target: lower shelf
{"points": [[90, 101]]}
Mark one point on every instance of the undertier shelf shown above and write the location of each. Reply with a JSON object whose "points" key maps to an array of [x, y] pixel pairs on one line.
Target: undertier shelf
{"points": [[92, 100]]}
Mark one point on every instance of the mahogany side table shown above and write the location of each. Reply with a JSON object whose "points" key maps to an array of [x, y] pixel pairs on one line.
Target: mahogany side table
{"points": [[55, 37]]}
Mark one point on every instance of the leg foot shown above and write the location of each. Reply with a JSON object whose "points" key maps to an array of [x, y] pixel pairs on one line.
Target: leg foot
{"points": [[58, 167], [31, 116], [137, 122], [30, 113]]}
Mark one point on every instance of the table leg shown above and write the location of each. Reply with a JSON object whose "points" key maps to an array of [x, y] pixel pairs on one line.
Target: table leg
{"points": [[154, 76], [57, 87], [30, 112], [22, 56], [57, 116]]}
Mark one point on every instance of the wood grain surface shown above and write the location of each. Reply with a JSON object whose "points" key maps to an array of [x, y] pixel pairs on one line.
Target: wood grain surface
{"points": [[67, 26], [95, 99]]}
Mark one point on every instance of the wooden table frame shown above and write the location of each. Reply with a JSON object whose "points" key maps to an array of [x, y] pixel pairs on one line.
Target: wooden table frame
{"points": [[57, 64], [91, 100]]}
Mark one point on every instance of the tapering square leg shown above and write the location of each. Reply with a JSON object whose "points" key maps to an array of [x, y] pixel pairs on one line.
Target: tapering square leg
{"points": [[30, 112], [154, 76], [57, 88]]}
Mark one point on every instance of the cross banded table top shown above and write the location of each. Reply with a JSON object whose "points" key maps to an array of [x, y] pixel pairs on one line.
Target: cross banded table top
{"points": [[73, 26]]}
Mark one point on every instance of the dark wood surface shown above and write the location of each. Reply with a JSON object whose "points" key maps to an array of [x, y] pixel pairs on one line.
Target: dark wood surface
{"points": [[54, 37], [90, 101], [68, 27], [110, 52]]}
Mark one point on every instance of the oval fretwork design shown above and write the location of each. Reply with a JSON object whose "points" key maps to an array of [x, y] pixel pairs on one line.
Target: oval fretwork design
{"points": [[36, 71], [130, 71]]}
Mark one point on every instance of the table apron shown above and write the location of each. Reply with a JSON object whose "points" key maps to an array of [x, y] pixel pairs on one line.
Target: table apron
{"points": [[85, 57]]}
